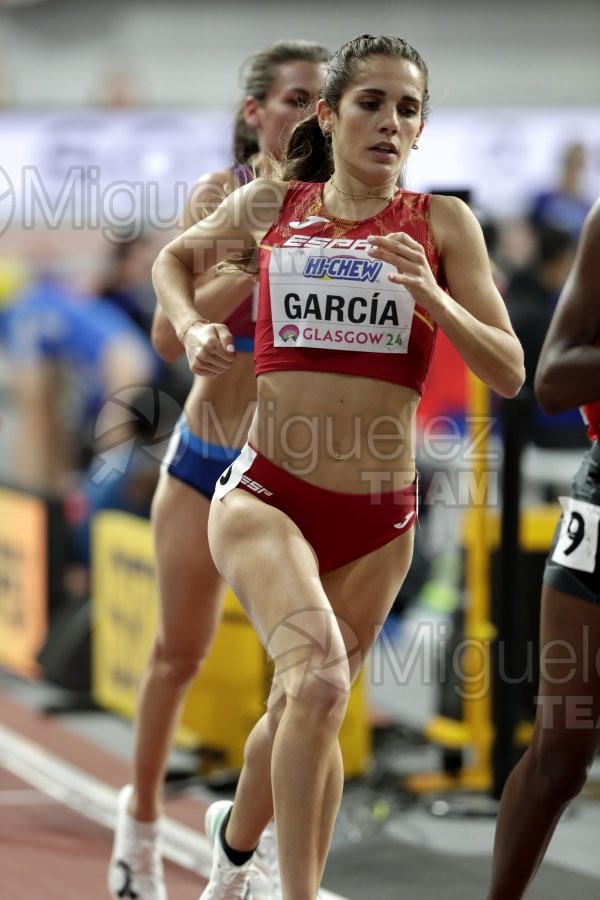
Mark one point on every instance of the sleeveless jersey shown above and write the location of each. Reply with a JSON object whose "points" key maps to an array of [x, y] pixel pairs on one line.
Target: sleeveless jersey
{"points": [[242, 320], [325, 305]]}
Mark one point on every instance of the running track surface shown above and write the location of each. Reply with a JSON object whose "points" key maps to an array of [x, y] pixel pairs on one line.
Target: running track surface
{"points": [[49, 850], [57, 808]]}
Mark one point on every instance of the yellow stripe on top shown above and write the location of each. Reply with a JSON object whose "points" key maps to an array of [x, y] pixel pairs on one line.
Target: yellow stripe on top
{"points": [[423, 318]]}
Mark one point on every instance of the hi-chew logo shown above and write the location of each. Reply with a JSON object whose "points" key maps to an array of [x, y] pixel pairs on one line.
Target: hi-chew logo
{"points": [[344, 268]]}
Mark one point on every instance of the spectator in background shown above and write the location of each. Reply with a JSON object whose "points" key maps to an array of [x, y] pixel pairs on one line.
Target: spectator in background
{"points": [[123, 479], [515, 249], [68, 353], [531, 295], [127, 283], [565, 205]]}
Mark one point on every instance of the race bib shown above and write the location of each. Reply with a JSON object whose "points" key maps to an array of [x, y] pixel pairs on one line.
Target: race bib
{"points": [[578, 539], [337, 298]]}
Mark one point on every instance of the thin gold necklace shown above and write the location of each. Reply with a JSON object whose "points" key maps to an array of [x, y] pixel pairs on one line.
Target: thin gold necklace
{"points": [[346, 195]]}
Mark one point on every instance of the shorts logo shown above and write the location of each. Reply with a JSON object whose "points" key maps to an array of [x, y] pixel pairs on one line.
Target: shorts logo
{"points": [[255, 486], [289, 333], [225, 476], [405, 520]]}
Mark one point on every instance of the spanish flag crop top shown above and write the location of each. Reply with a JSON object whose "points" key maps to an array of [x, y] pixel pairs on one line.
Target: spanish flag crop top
{"points": [[242, 321], [325, 305]]}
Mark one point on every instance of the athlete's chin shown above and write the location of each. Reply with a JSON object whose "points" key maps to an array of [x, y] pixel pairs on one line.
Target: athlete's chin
{"points": [[378, 170]]}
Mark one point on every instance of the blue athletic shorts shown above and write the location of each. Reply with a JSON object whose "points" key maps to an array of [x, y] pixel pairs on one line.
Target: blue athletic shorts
{"points": [[194, 461], [244, 344]]}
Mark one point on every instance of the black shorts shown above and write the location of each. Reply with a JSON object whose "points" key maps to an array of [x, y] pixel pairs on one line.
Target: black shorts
{"points": [[575, 568]]}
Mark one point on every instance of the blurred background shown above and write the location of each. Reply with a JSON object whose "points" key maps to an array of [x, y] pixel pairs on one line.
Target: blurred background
{"points": [[109, 112]]}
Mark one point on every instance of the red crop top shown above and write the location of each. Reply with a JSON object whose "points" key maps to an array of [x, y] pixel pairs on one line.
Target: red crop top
{"points": [[325, 305], [242, 320]]}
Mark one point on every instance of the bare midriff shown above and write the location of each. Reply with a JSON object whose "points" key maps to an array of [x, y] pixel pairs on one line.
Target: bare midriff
{"points": [[344, 433]]}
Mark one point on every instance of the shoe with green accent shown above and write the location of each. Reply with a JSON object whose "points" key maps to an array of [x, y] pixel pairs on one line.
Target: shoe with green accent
{"points": [[227, 881]]}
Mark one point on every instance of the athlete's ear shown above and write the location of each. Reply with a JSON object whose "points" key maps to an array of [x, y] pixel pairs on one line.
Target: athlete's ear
{"points": [[324, 115], [252, 112]]}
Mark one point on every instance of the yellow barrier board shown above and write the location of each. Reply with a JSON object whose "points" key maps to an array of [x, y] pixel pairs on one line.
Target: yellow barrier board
{"points": [[124, 608], [23, 580], [229, 694]]}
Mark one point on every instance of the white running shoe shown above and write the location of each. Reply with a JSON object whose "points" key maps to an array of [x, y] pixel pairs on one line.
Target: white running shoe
{"points": [[136, 869], [227, 881], [268, 883]]}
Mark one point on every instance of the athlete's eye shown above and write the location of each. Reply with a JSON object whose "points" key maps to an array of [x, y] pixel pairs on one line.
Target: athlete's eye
{"points": [[297, 102]]}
